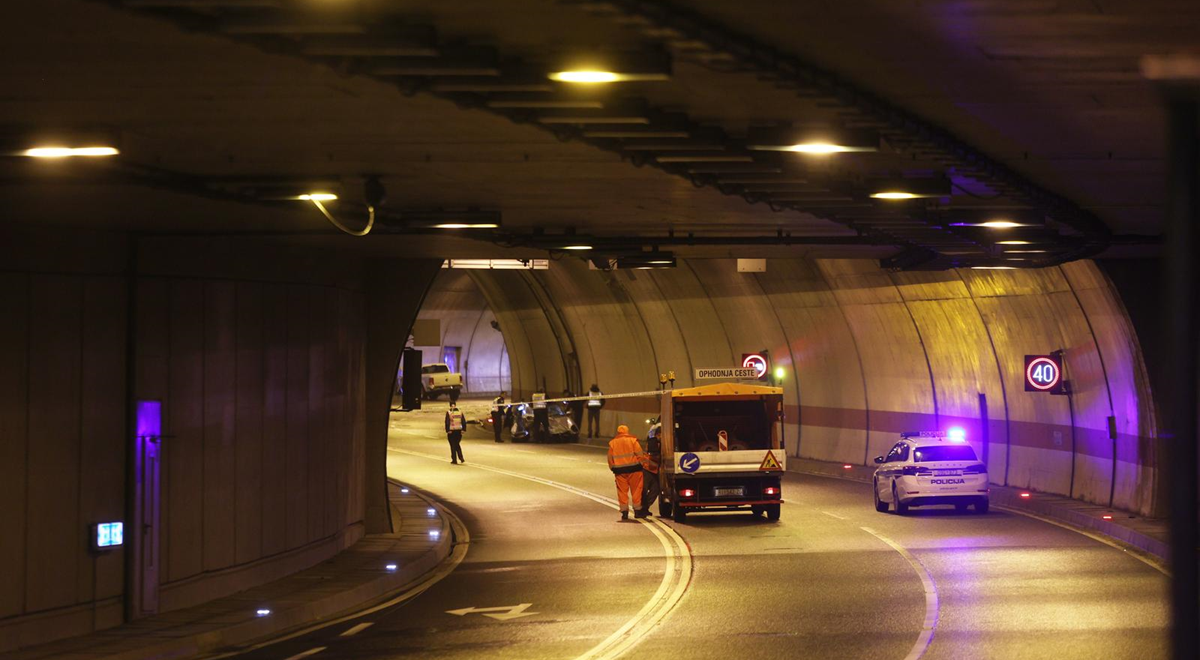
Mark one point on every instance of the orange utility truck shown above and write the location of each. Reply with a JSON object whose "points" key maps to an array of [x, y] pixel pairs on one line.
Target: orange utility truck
{"points": [[722, 449]]}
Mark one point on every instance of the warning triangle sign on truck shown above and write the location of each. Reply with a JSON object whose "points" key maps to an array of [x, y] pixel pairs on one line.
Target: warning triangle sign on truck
{"points": [[770, 462]]}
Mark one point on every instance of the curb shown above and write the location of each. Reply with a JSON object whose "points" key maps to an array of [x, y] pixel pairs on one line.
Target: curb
{"points": [[295, 617], [1009, 498]]}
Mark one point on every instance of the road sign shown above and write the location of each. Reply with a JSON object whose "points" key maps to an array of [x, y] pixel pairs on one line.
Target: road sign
{"points": [[770, 462], [1043, 373], [758, 362], [689, 462], [502, 613], [726, 372]]}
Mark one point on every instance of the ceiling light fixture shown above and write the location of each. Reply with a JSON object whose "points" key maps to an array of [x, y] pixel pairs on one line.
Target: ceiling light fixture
{"points": [[467, 225], [579, 247], [819, 142], [993, 267], [1014, 242], [69, 152], [905, 189], [605, 69], [316, 197]]}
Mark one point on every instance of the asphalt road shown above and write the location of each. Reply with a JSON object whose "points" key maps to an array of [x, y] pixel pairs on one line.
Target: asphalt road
{"points": [[831, 579]]}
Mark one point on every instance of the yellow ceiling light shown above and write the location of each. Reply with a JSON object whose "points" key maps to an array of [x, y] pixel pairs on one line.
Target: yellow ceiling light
{"points": [[585, 77], [909, 188], [812, 141], [1000, 224], [316, 197], [465, 225], [69, 152], [1014, 242], [893, 194], [579, 247]]}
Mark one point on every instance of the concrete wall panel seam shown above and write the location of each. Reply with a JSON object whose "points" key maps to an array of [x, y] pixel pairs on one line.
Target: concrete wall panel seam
{"points": [[999, 375], [861, 370]]}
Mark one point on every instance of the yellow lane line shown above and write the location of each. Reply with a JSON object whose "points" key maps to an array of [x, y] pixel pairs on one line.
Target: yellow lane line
{"points": [[677, 575]]}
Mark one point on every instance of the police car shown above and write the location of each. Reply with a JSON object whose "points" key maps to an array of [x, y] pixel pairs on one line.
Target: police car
{"points": [[931, 467]]}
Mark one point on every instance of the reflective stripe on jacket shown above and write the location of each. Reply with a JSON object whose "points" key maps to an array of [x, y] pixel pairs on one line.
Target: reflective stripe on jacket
{"points": [[454, 421], [624, 454], [650, 462]]}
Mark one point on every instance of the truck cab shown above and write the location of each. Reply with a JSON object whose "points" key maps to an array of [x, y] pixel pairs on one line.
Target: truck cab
{"points": [[722, 449]]}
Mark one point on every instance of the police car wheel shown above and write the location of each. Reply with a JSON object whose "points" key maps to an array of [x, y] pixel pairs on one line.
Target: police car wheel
{"points": [[880, 505], [981, 506], [961, 507], [901, 507], [773, 511]]}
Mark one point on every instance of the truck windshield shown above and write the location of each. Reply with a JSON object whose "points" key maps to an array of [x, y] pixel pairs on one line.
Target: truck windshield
{"points": [[944, 453], [698, 425], [437, 369]]}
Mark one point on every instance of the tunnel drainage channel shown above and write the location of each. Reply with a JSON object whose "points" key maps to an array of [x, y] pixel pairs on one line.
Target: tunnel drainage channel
{"points": [[677, 576]]}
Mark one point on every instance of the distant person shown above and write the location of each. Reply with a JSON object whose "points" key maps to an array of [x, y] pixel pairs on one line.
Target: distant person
{"points": [[625, 461], [650, 462], [594, 403], [499, 415], [541, 417], [455, 423], [576, 408]]}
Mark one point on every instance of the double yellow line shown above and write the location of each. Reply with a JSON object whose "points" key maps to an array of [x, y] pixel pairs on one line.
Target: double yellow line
{"points": [[677, 575]]}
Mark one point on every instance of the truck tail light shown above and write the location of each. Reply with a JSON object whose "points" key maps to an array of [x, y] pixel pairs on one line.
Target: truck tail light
{"points": [[770, 490], [687, 492]]}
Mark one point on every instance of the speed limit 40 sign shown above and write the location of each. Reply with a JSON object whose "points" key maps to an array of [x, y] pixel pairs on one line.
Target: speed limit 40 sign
{"points": [[1043, 373]]}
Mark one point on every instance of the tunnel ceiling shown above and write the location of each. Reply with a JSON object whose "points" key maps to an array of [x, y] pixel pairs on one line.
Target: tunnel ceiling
{"points": [[1033, 111]]}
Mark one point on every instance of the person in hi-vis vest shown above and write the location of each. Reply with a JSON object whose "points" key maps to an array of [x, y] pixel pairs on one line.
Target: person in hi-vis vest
{"points": [[455, 423], [594, 404], [625, 461]]}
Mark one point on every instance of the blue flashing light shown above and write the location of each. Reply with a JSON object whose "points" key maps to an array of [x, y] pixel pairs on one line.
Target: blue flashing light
{"points": [[957, 434]]}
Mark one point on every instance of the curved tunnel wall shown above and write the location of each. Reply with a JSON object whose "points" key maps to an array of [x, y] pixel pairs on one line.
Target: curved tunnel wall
{"points": [[466, 322], [868, 354]]}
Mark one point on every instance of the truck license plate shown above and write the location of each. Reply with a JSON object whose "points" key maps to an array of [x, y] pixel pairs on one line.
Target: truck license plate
{"points": [[729, 492]]}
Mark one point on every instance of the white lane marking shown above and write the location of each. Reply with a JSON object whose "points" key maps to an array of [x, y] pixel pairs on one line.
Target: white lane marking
{"points": [[1149, 560], [834, 515], [931, 596], [307, 653], [357, 629], [678, 571], [462, 541], [501, 613]]}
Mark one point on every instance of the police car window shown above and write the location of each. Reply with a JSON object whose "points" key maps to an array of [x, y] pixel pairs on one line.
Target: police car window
{"points": [[944, 453]]}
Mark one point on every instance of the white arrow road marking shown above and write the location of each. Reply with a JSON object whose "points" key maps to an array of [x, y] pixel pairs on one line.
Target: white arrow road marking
{"points": [[509, 611]]}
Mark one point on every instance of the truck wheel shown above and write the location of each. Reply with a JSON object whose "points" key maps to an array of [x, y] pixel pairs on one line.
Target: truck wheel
{"points": [[901, 508], [880, 505], [664, 508], [678, 514], [772, 511], [757, 511]]}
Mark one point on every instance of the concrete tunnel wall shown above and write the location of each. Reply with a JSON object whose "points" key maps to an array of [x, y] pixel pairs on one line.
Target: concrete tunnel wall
{"points": [[466, 321], [868, 354], [258, 356]]}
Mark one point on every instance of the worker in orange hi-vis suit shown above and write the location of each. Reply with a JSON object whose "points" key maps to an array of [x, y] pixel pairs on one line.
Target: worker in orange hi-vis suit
{"points": [[625, 461]]}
